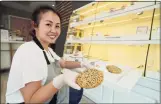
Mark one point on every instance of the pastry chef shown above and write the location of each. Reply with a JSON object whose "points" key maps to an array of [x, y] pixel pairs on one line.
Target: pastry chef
{"points": [[35, 75]]}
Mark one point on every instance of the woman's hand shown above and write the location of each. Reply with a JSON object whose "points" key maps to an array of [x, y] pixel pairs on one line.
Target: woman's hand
{"points": [[86, 65], [58, 81], [70, 78]]}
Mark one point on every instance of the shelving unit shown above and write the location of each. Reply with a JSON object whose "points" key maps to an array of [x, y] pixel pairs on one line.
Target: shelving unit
{"points": [[11, 41], [105, 16], [122, 33], [8, 47]]}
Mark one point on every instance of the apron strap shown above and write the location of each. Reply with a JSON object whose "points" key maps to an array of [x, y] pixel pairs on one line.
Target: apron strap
{"points": [[51, 54], [39, 44]]}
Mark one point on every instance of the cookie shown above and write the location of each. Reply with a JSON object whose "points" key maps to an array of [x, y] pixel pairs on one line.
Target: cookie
{"points": [[90, 78], [113, 69]]}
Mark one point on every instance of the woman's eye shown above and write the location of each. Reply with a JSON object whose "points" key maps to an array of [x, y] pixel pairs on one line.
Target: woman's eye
{"points": [[48, 25], [57, 26]]}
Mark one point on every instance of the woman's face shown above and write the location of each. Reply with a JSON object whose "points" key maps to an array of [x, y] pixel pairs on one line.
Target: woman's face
{"points": [[48, 29]]}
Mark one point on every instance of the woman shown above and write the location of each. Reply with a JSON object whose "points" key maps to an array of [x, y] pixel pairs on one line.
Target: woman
{"points": [[35, 75]]}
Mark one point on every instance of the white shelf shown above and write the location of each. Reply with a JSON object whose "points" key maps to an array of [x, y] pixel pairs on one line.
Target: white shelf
{"points": [[153, 75], [2, 41], [116, 41], [75, 17], [72, 55], [74, 41], [114, 14]]}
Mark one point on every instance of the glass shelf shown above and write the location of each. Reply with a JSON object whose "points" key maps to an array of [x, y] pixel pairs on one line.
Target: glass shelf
{"points": [[120, 36], [115, 42], [112, 15]]}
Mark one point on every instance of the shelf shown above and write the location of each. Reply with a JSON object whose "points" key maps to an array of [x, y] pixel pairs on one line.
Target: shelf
{"points": [[72, 56], [9, 50], [75, 17], [105, 6], [114, 14], [71, 45], [2, 41], [153, 75], [115, 41]]}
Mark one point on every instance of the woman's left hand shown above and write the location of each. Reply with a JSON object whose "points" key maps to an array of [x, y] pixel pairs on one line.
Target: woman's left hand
{"points": [[86, 65]]}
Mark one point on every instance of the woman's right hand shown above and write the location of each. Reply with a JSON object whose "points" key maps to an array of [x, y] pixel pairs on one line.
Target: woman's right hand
{"points": [[68, 77]]}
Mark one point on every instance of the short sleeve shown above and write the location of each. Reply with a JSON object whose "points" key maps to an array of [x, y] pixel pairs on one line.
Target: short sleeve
{"points": [[32, 70], [28, 65], [32, 64]]}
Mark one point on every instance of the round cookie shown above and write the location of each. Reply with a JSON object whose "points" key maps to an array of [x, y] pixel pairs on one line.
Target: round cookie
{"points": [[90, 78], [113, 69]]}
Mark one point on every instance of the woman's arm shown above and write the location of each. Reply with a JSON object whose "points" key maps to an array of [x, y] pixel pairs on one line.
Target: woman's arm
{"points": [[69, 64], [73, 64], [34, 92]]}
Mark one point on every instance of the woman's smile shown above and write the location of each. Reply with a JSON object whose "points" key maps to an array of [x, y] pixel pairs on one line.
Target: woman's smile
{"points": [[52, 36]]}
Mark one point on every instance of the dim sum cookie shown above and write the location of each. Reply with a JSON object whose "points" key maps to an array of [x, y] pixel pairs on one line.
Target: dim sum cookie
{"points": [[90, 78], [113, 69]]}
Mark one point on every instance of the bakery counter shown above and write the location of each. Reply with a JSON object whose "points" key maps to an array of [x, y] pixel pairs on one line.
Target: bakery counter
{"points": [[141, 92], [127, 87]]}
